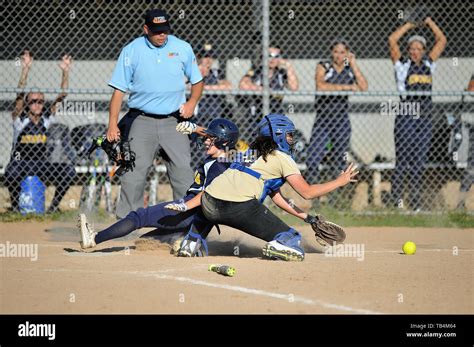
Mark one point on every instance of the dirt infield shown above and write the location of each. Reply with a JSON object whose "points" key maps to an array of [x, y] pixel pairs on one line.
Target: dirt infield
{"points": [[121, 277]]}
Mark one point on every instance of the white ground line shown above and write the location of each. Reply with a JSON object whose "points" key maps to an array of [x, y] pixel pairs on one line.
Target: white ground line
{"points": [[285, 297], [92, 254], [252, 291]]}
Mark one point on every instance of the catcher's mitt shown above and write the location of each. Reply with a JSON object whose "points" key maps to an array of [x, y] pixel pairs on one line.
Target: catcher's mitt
{"points": [[117, 152], [416, 15], [326, 233]]}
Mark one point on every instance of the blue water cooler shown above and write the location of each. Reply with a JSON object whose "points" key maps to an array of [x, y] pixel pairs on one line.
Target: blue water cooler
{"points": [[32, 195]]}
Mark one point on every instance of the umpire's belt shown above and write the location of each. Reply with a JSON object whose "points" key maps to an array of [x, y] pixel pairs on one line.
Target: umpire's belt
{"points": [[126, 122], [156, 116], [240, 167]]}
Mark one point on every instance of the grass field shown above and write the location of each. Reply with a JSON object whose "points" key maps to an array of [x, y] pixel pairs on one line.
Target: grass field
{"points": [[390, 218]]}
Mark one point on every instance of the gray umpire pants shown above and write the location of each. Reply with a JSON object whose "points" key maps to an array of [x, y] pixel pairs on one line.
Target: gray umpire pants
{"points": [[148, 135]]}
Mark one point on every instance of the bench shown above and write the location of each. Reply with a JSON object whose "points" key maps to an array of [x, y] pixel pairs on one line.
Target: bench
{"points": [[371, 173]]}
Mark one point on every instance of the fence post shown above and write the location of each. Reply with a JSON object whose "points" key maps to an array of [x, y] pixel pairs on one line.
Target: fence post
{"points": [[265, 46]]}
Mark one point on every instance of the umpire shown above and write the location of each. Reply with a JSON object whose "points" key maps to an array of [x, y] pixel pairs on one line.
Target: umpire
{"points": [[152, 68]]}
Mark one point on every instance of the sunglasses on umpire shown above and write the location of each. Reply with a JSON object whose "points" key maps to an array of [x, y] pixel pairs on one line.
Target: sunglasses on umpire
{"points": [[36, 101], [274, 55], [157, 33]]}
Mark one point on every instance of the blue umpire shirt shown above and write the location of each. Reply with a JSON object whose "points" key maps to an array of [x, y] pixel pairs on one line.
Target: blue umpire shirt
{"points": [[155, 76]]}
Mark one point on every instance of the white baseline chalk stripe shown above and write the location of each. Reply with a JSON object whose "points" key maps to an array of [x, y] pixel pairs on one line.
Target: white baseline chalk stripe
{"points": [[285, 297], [252, 291]]}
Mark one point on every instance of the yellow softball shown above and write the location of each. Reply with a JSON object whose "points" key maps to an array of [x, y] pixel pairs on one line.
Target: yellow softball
{"points": [[409, 248]]}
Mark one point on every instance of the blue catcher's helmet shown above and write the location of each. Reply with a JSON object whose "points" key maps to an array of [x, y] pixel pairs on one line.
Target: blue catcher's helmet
{"points": [[277, 126], [225, 132]]}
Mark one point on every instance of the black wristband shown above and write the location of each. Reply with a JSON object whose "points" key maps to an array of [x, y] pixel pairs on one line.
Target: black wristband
{"points": [[310, 219]]}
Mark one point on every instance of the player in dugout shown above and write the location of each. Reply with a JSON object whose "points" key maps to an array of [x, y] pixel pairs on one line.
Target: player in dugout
{"points": [[281, 74], [413, 126], [29, 155]]}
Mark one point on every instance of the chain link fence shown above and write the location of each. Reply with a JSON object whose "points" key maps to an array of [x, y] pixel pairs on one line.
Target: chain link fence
{"points": [[326, 64]]}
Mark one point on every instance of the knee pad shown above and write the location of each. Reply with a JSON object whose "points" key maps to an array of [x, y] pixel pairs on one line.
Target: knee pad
{"points": [[193, 245], [290, 238]]}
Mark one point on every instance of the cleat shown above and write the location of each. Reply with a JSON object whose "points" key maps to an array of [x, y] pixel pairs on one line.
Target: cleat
{"points": [[184, 253], [176, 245], [191, 246], [275, 250], [87, 232], [187, 252]]}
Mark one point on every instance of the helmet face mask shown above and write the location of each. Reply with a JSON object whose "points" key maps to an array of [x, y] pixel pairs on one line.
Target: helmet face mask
{"points": [[202, 141], [211, 139], [291, 139], [208, 145], [280, 128]]}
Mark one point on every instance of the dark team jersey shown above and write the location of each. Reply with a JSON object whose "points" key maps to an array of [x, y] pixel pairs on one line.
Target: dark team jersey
{"points": [[29, 138], [205, 174], [334, 105], [214, 76], [278, 81], [412, 77], [210, 106]]}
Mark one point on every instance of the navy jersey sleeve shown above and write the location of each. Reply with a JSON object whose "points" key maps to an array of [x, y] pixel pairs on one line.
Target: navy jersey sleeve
{"points": [[199, 179], [403, 60], [430, 63], [215, 170], [325, 64], [205, 174]]}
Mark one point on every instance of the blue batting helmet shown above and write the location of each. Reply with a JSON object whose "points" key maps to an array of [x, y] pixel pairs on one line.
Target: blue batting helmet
{"points": [[225, 132], [277, 126]]}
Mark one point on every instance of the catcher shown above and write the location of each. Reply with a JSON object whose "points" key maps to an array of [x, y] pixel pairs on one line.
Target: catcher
{"points": [[236, 197], [221, 135]]}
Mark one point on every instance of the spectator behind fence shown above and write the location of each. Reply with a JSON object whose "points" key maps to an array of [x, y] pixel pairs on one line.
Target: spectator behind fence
{"points": [[468, 175], [282, 75], [413, 126], [211, 106], [153, 68], [29, 156], [332, 127]]}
